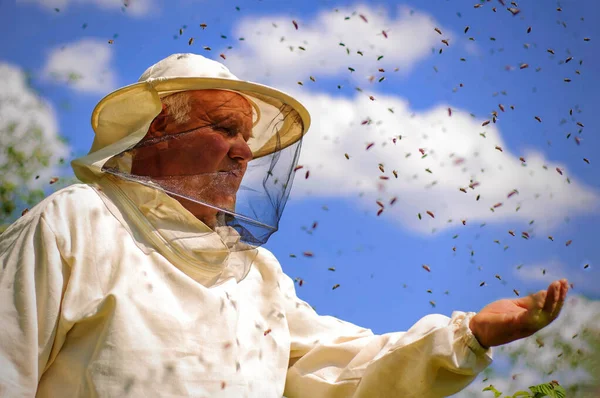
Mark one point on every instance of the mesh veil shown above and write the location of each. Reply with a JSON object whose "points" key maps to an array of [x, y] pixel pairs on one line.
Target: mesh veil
{"points": [[259, 193]]}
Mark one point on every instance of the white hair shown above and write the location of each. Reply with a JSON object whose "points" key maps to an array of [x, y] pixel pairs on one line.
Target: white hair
{"points": [[179, 106]]}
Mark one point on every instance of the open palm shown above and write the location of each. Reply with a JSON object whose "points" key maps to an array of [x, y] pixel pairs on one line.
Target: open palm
{"points": [[508, 320]]}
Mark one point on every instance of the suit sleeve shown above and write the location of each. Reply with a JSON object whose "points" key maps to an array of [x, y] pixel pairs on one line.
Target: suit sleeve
{"points": [[33, 277], [437, 357]]}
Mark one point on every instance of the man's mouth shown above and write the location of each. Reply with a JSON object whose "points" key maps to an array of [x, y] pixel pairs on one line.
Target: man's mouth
{"points": [[232, 172]]}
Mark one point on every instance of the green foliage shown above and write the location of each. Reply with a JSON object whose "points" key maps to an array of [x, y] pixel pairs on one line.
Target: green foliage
{"points": [[21, 159], [551, 390]]}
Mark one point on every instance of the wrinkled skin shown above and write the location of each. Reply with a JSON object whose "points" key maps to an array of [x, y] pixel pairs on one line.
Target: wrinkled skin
{"points": [[205, 157], [508, 320]]}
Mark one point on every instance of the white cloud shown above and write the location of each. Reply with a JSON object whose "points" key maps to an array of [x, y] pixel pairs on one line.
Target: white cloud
{"points": [[266, 55], [85, 65], [535, 364], [543, 194], [23, 111], [584, 280], [134, 8]]}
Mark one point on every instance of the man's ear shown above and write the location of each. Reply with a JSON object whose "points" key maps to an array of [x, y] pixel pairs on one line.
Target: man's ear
{"points": [[159, 123]]}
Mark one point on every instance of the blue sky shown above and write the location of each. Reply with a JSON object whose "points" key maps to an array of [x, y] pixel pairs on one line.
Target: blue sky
{"points": [[378, 260]]}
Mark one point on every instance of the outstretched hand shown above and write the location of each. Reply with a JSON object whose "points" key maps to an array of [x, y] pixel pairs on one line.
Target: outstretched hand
{"points": [[507, 320]]}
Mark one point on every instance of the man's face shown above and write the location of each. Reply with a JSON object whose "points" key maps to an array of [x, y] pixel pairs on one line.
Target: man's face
{"points": [[204, 157]]}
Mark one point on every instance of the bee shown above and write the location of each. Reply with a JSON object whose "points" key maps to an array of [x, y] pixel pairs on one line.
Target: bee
{"points": [[53, 180], [551, 238], [426, 267], [559, 171], [331, 269], [516, 291], [499, 148], [568, 242], [25, 211], [370, 146], [363, 18], [203, 26], [207, 48], [538, 118], [485, 123], [307, 174], [568, 59], [395, 173], [438, 30], [222, 56], [482, 284], [190, 41], [295, 24], [347, 156], [449, 111], [393, 200], [466, 29], [308, 254], [586, 160], [551, 51], [430, 214], [111, 41], [267, 332], [384, 33], [298, 168], [529, 29], [512, 233], [523, 66], [445, 42], [335, 286]]}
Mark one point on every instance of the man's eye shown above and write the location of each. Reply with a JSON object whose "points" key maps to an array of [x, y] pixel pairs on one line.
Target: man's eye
{"points": [[229, 131]]}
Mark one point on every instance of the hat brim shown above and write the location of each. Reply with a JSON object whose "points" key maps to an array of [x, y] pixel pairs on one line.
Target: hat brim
{"points": [[128, 108]]}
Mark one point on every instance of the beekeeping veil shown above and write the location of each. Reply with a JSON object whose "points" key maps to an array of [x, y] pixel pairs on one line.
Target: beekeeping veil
{"points": [[121, 124]]}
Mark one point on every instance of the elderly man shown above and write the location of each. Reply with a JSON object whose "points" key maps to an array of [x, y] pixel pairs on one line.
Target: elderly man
{"points": [[149, 279]]}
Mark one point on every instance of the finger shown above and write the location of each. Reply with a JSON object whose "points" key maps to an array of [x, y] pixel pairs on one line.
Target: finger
{"points": [[564, 288], [552, 297]]}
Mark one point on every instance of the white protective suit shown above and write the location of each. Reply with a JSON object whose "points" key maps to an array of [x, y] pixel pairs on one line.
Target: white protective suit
{"points": [[96, 301], [90, 307]]}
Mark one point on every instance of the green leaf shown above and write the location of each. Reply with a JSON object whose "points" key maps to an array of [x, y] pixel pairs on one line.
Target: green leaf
{"points": [[493, 389], [521, 394]]}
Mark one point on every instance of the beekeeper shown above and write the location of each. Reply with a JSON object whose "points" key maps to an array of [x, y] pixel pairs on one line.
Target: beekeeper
{"points": [[149, 279]]}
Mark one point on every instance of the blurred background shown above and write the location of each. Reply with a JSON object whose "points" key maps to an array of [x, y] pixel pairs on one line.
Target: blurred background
{"points": [[452, 159]]}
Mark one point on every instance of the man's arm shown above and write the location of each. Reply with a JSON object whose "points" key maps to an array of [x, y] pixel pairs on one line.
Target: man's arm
{"points": [[33, 277], [436, 357]]}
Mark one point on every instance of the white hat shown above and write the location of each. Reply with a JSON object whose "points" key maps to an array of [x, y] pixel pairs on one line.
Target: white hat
{"points": [[128, 108]]}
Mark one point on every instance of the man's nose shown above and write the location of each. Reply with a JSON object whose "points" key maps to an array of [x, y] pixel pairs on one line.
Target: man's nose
{"points": [[240, 150]]}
